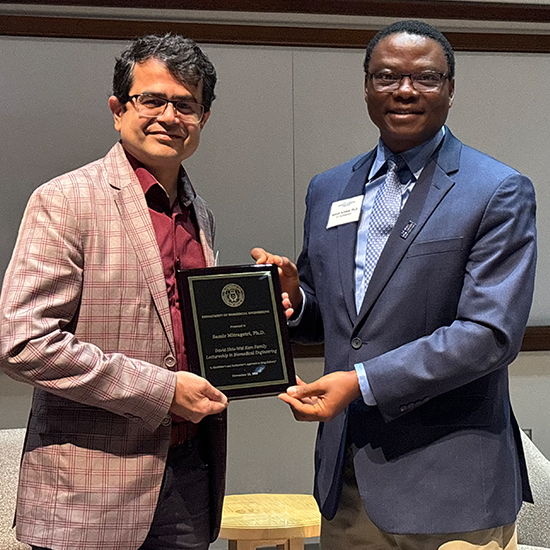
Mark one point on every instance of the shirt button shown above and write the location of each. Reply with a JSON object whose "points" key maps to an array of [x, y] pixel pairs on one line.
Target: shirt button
{"points": [[166, 421], [169, 361], [356, 343]]}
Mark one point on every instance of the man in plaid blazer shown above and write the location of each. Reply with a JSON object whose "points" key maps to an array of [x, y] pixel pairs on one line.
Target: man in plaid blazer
{"points": [[125, 448]]}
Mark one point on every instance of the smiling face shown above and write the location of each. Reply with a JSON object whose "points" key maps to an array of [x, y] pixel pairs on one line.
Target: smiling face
{"points": [[161, 144], [405, 117]]}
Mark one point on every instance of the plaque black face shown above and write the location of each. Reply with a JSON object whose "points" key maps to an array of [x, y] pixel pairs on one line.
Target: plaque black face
{"points": [[235, 329]]}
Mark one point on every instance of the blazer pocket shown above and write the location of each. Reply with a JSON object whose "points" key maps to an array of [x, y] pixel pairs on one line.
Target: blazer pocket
{"points": [[464, 411], [435, 247]]}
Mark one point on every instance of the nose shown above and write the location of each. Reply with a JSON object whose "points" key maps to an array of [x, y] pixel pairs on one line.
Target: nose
{"points": [[406, 86], [169, 115]]}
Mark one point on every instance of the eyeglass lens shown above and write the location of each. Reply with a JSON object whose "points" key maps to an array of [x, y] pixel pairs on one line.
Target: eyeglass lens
{"points": [[422, 82], [151, 106]]}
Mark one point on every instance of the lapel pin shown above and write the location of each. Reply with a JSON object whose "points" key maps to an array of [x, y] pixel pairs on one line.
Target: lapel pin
{"points": [[407, 230]]}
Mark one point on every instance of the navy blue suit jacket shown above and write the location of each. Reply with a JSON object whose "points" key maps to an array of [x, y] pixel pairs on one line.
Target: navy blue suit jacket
{"points": [[443, 317]]}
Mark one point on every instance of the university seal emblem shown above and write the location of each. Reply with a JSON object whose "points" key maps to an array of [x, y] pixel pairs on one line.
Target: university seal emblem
{"points": [[232, 295]]}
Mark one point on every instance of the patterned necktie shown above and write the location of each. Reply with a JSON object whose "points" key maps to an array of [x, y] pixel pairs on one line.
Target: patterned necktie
{"points": [[385, 211]]}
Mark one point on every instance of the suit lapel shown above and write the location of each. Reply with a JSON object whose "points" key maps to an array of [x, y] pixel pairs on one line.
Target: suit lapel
{"points": [[136, 220], [203, 216], [432, 186], [347, 234], [205, 231]]}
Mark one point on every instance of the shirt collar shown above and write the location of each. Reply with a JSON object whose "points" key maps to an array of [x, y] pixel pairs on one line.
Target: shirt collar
{"points": [[186, 192], [416, 158]]}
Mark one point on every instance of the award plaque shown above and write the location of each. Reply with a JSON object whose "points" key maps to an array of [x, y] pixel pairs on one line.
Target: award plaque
{"points": [[235, 329]]}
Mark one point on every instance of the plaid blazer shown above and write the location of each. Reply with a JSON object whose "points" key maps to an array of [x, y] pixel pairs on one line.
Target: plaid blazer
{"points": [[84, 318]]}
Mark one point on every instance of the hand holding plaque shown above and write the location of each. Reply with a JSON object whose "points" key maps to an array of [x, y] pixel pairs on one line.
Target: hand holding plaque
{"points": [[235, 329]]}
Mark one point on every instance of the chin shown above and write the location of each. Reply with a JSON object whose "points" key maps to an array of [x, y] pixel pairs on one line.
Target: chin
{"points": [[167, 151]]}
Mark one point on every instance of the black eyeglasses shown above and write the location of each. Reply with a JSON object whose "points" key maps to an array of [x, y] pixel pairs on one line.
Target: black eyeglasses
{"points": [[427, 81], [151, 106]]}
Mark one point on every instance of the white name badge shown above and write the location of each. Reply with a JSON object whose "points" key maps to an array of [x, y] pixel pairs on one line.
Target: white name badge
{"points": [[345, 211]]}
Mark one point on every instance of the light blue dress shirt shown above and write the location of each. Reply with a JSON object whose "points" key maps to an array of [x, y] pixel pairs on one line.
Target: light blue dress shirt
{"points": [[416, 160]]}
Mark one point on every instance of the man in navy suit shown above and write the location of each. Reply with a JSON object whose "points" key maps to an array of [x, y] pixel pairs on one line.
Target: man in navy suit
{"points": [[417, 273]]}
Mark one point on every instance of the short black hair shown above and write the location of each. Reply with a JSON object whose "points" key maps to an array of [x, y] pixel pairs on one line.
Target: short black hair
{"points": [[186, 62], [418, 28]]}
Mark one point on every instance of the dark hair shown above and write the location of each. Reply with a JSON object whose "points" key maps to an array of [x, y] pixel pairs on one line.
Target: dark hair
{"points": [[183, 58], [418, 28]]}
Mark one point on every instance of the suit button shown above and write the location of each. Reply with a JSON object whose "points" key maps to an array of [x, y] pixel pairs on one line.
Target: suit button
{"points": [[169, 361], [166, 421], [356, 343], [403, 408]]}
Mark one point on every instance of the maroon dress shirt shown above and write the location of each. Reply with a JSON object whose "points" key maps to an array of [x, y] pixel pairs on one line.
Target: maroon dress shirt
{"points": [[178, 240]]}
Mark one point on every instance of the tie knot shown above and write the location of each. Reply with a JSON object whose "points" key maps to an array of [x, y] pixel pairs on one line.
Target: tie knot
{"points": [[395, 163]]}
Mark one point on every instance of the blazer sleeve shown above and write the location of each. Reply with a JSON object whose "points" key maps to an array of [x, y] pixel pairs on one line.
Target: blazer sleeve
{"points": [[39, 309], [492, 312]]}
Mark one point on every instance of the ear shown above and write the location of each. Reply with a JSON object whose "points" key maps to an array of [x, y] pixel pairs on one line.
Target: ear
{"points": [[205, 118], [117, 108], [451, 92], [366, 87]]}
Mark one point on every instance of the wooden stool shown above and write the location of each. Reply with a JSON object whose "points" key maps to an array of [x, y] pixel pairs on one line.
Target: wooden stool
{"points": [[284, 521]]}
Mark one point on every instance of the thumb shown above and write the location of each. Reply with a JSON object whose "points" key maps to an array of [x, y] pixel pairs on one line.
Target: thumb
{"points": [[297, 390], [301, 390], [214, 394], [259, 254]]}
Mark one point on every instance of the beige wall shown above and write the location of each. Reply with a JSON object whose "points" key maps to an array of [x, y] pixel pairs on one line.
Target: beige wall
{"points": [[283, 114], [530, 391]]}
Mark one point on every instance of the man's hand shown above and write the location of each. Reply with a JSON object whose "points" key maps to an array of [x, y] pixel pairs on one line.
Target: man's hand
{"points": [[288, 274], [323, 399], [196, 398]]}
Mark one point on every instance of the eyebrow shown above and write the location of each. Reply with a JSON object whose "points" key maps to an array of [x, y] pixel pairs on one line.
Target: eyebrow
{"points": [[186, 97], [423, 70]]}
